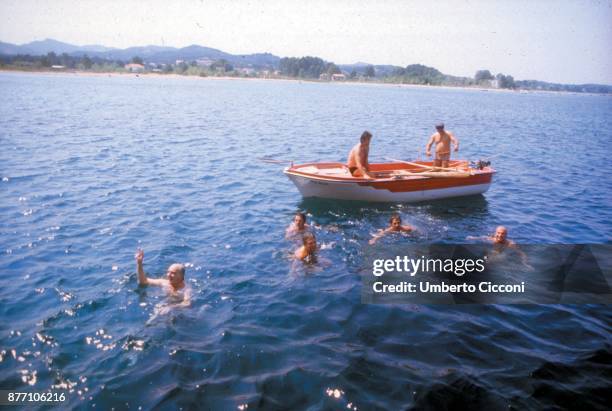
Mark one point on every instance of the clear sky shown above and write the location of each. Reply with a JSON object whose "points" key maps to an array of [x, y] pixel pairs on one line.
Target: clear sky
{"points": [[551, 40]]}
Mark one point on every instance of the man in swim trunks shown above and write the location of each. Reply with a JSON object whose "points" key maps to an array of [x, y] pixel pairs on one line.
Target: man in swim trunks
{"points": [[357, 162], [174, 283], [442, 140]]}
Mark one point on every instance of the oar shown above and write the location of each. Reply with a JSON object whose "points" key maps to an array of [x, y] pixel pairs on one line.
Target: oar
{"points": [[274, 161], [422, 165]]}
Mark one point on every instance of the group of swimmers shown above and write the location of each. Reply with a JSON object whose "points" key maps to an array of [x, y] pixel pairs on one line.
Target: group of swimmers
{"points": [[174, 283], [307, 251], [359, 166]]}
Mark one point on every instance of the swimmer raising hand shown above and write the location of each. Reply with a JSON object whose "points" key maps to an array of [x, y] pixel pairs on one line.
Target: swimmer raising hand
{"points": [[174, 282]]}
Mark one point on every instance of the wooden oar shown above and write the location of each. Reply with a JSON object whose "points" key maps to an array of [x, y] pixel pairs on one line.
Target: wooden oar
{"points": [[423, 165], [444, 174], [274, 161]]}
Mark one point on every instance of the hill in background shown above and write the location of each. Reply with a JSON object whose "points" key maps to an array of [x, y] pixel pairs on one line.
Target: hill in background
{"points": [[204, 61]]}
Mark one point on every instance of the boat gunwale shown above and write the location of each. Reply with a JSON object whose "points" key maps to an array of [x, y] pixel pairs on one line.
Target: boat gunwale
{"points": [[294, 170]]}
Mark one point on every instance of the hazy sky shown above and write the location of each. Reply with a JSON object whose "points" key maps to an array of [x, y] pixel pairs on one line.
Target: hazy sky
{"points": [[558, 41]]}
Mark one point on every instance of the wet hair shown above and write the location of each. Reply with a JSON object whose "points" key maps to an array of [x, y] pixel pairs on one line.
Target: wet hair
{"points": [[299, 213], [365, 135], [308, 236], [395, 217], [440, 126]]}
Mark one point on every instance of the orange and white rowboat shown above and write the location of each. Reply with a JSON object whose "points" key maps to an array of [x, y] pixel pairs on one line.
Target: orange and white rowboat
{"points": [[395, 182]]}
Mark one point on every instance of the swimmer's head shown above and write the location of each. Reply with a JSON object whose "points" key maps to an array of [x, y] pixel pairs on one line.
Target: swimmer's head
{"points": [[501, 233], [299, 220], [366, 136], [395, 221], [176, 274], [440, 126], [310, 242]]}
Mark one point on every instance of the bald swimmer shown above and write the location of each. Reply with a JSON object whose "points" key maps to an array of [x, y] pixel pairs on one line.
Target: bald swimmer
{"points": [[174, 283]]}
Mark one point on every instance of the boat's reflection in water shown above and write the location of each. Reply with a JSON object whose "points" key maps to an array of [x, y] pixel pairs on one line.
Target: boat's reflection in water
{"points": [[476, 205], [472, 206]]}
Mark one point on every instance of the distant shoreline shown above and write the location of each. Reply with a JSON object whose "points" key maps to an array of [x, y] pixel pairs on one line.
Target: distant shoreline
{"points": [[67, 73]]}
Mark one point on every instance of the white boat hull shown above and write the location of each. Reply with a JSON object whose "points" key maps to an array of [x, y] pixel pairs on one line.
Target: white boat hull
{"points": [[351, 191], [333, 181]]}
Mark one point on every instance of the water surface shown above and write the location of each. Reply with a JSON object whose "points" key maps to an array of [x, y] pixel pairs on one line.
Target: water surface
{"points": [[94, 167]]}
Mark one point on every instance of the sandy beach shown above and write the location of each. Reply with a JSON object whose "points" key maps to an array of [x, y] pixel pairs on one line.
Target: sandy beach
{"points": [[213, 78]]}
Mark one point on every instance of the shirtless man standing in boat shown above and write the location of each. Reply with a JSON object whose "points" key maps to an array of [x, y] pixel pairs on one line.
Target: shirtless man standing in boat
{"points": [[442, 139], [357, 162], [174, 283]]}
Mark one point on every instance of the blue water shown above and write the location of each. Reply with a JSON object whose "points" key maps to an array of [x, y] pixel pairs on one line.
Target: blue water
{"points": [[94, 167]]}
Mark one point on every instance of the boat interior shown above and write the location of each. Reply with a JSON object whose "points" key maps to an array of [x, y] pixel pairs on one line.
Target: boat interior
{"points": [[388, 170]]}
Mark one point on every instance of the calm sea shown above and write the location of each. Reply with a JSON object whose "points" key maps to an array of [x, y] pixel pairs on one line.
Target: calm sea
{"points": [[92, 168]]}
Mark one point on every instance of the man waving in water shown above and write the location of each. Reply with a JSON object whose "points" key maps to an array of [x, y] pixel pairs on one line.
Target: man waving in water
{"points": [[442, 139], [174, 283]]}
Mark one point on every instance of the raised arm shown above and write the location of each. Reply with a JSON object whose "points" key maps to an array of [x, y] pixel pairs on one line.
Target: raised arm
{"points": [[454, 140], [142, 278]]}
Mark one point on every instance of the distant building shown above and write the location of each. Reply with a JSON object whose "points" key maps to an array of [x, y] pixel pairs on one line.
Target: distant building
{"points": [[134, 67], [204, 62], [179, 62], [324, 77], [58, 67], [338, 77]]}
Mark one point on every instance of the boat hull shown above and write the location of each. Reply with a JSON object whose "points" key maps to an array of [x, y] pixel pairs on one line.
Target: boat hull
{"points": [[405, 190]]}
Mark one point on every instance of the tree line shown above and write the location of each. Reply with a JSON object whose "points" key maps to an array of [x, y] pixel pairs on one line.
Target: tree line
{"points": [[307, 67], [86, 63]]}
